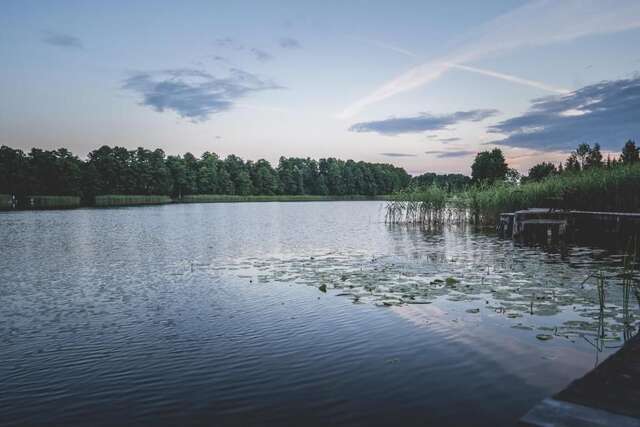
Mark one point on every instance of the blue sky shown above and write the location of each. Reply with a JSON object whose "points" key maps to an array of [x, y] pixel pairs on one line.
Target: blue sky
{"points": [[421, 84]]}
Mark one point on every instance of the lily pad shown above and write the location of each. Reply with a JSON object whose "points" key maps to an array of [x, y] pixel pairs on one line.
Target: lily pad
{"points": [[544, 337]]}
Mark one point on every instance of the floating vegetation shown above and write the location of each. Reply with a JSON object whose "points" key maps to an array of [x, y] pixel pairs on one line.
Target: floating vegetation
{"points": [[515, 289], [544, 337]]}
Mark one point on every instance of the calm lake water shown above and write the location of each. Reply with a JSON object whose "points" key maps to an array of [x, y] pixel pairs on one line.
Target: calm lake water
{"points": [[288, 313]]}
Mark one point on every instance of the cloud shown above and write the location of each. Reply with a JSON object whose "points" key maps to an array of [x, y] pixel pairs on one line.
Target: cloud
{"points": [[229, 43], [441, 154], [421, 123], [447, 140], [194, 94], [62, 40], [289, 43], [261, 55], [511, 78], [606, 112], [397, 155], [521, 27]]}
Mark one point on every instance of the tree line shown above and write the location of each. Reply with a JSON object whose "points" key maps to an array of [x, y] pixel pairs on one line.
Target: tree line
{"points": [[491, 166], [117, 170]]}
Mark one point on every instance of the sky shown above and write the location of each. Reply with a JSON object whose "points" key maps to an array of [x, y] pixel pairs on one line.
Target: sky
{"points": [[421, 84]]}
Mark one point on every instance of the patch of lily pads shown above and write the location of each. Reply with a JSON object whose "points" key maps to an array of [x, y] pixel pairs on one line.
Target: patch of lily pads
{"points": [[501, 284]]}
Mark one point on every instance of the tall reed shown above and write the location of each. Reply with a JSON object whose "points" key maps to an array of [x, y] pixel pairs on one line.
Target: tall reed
{"points": [[128, 200], [605, 189]]}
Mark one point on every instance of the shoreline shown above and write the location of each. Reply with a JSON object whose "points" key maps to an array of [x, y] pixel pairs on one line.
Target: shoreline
{"points": [[128, 201]]}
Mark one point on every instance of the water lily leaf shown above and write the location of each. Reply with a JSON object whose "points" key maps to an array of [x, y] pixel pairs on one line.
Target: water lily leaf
{"points": [[544, 337], [323, 288]]}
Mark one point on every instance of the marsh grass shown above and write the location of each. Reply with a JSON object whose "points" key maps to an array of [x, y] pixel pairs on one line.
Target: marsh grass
{"points": [[5, 202], [596, 189], [51, 202], [225, 198], [129, 200]]}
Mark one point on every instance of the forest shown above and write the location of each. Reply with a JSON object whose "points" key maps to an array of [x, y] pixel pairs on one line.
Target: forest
{"points": [[117, 170]]}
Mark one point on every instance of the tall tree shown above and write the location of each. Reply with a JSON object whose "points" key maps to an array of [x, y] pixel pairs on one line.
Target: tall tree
{"points": [[594, 157], [541, 171], [630, 153], [489, 166]]}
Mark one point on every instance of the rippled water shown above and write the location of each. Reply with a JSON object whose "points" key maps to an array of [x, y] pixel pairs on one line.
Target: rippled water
{"points": [[289, 313]]}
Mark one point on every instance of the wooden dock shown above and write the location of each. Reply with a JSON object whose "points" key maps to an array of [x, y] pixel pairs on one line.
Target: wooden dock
{"points": [[609, 395], [549, 224]]}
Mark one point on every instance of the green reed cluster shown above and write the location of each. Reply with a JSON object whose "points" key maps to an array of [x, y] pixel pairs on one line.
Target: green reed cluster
{"points": [[125, 200], [595, 189]]}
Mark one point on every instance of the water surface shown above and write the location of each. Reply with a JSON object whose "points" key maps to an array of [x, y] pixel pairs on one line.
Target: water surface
{"points": [[289, 313]]}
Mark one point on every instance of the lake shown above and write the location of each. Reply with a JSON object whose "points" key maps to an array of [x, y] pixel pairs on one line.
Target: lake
{"points": [[311, 313]]}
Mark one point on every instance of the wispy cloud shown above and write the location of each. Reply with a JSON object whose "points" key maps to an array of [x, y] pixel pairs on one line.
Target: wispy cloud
{"points": [[397, 155], [289, 43], [229, 43], [511, 78], [421, 123], [605, 112], [261, 55], [448, 140], [443, 154], [536, 23], [62, 40], [194, 94]]}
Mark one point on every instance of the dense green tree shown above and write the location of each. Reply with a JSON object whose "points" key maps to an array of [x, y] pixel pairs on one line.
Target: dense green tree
{"points": [[14, 171], [489, 166], [452, 182], [264, 178], [541, 171], [178, 170], [630, 153], [116, 170], [572, 164], [594, 157], [581, 154]]}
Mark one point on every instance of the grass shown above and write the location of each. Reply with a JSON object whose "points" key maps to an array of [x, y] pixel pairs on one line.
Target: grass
{"points": [[5, 201], [51, 202], [597, 189], [129, 200], [221, 198]]}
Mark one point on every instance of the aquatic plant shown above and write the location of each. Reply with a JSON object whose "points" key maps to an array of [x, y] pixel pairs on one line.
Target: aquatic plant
{"points": [[126, 200], [604, 189], [50, 202], [226, 198]]}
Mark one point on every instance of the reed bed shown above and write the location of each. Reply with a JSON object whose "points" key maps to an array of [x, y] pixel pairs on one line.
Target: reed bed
{"points": [[597, 189], [50, 202], [5, 202], [130, 200], [225, 198]]}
